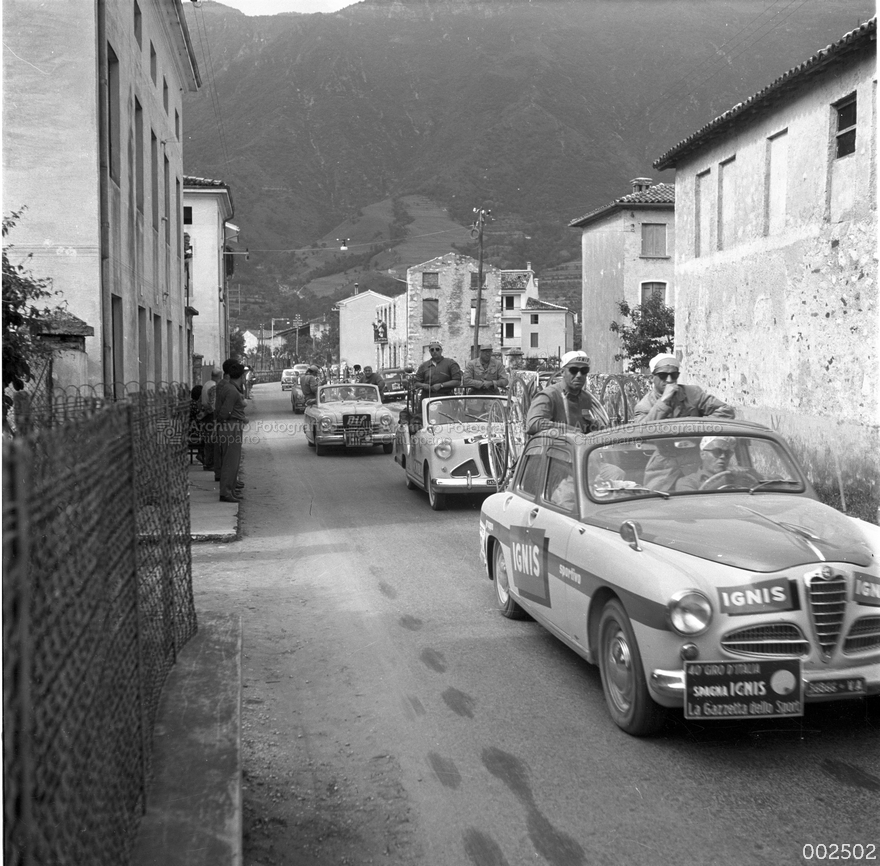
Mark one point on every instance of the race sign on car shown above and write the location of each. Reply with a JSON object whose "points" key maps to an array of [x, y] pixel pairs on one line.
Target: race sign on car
{"points": [[752, 689]]}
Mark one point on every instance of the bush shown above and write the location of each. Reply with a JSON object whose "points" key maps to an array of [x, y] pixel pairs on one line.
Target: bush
{"points": [[652, 331]]}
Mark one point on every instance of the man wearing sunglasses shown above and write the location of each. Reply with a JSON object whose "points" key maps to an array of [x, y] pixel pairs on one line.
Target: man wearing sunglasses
{"points": [[438, 375], [568, 404], [670, 399]]}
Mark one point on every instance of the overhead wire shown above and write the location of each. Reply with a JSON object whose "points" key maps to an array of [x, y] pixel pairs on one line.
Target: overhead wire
{"points": [[205, 44]]}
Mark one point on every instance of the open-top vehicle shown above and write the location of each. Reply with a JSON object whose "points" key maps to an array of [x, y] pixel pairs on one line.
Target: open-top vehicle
{"points": [[442, 445], [693, 563], [349, 415]]}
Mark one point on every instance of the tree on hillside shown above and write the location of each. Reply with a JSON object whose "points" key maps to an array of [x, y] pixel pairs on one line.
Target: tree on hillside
{"points": [[652, 331], [236, 344], [22, 318]]}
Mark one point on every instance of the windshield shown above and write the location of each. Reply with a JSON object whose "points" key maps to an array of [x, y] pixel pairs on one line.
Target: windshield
{"points": [[340, 393], [683, 465], [460, 411]]}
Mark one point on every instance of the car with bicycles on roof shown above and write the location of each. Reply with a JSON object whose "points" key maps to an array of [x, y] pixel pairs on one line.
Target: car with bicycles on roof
{"points": [[691, 561]]}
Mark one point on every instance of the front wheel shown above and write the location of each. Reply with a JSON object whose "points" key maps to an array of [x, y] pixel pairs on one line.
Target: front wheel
{"points": [[436, 500], [320, 450], [623, 677], [506, 605], [387, 447]]}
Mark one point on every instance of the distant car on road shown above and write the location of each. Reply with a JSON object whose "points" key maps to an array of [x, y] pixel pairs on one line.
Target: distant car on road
{"points": [[693, 563], [288, 377], [395, 383], [349, 415]]}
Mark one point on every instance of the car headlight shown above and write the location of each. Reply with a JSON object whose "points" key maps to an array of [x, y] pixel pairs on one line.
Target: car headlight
{"points": [[443, 449], [326, 424], [385, 421], [689, 612]]}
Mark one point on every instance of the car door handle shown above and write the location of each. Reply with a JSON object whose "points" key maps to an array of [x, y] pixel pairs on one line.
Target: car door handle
{"points": [[533, 514]]}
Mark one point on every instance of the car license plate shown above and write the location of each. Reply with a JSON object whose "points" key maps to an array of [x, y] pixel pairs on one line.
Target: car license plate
{"points": [[842, 687], [357, 429], [743, 690]]}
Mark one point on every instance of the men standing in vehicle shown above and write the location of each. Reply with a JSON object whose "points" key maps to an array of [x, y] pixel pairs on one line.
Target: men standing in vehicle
{"points": [[568, 404], [371, 378], [438, 375], [485, 374], [309, 383], [669, 399]]}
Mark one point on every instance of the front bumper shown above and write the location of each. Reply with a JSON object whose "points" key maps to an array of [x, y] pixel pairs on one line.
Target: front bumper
{"points": [[468, 484], [669, 685], [339, 439]]}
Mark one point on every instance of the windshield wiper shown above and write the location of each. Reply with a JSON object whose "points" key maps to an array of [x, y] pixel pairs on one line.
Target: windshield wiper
{"points": [[760, 484]]}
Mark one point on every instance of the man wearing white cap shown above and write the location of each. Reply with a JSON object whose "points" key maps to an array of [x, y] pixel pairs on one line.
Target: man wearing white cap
{"points": [[568, 404], [484, 375], [669, 399]]}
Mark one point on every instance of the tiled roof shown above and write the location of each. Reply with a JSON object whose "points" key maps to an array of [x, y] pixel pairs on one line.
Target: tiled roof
{"points": [[514, 279], [189, 180], [535, 304], [658, 194], [854, 42]]}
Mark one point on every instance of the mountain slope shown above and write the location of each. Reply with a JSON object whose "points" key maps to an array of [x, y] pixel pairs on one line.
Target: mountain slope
{"points": [[542, 109]]}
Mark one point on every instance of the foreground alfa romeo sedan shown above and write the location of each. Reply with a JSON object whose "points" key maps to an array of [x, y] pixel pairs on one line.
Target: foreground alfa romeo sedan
{"points": [[443, 447], [692, 562], [349, 415]]}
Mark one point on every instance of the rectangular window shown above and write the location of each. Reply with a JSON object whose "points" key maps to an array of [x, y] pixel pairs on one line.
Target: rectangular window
{"points": [[776, 174], [509, 302], [508, 331], [483, 306], [654, 239], [654, 290], [154, 178], [138, 25], [475, 280], [165, 94], [117, 335], [139, 154], [726, 203], [113, 111], [846, 126], [430, 311], [701, 214], [187, 216], [177, 124], [157, 350], [177, 220], [154, 64], [533, 341], [430, 280], [533, 318], [143, 348]]}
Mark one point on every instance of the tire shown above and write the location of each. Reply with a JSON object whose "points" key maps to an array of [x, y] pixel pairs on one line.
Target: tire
{"points": [[320, 450], [437, 501], [387, 447], [623, 677], [506, 605], [410, 484]]}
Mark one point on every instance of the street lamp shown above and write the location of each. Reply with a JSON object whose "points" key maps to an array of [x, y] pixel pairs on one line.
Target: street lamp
{"points": [[343, 243], [272, 339], [477, 232]]}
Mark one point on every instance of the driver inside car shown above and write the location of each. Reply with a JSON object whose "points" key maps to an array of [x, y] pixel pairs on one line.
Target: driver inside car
{"points": [[716, 454]]}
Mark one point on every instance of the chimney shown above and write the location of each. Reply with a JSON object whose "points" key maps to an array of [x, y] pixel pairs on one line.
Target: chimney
{"points": [[640, 184], [528, 266]]}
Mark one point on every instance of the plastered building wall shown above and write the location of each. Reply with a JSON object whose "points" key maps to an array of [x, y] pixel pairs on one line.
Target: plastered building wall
{"points": [[454, 294], [356, 316], [776, 299], [614, 269], [55, 95]]}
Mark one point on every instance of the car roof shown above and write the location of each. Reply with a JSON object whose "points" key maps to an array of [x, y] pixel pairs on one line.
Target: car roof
{"points": [[675, 427]]}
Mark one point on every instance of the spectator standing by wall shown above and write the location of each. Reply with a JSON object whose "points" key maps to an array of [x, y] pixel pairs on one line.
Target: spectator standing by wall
{"points": [[230, 417]]}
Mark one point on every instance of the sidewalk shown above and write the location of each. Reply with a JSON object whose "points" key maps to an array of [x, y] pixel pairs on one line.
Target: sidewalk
{"points": [[210, 519]]}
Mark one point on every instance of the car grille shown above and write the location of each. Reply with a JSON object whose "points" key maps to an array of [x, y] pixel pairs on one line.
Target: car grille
{"points": [[484, 458], [465, 469], [826, 598], [376, 428], [773, 639], [864, 635]]}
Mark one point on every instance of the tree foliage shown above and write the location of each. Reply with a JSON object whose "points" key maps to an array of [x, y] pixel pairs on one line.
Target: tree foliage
{"points": [[652, 331], [236, 344], [24, 308]]}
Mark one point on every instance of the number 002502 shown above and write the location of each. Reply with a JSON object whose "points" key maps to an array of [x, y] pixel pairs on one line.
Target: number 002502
{"points": [[842, 851]]}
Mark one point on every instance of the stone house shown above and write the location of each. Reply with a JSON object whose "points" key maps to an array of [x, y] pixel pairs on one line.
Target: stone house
{"points": [[92, 148], [207, 208], [776, 262], [627, 250]]}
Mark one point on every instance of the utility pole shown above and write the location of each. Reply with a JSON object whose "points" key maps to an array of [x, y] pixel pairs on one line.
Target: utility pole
{"points": [[297, 321], [477, 232]]}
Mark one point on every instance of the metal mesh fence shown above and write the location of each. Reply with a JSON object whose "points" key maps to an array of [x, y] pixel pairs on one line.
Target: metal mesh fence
{"points": [[97, 601]]}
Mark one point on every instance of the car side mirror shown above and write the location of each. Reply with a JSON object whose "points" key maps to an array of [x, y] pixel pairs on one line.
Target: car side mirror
{"points": [[629, 532]]}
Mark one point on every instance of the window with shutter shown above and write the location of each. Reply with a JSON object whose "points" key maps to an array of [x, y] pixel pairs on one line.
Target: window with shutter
{"points": [[430, 311], [654, 239], [846, 126]]}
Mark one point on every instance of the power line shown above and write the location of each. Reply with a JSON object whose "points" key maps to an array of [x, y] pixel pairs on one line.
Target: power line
{"points": [[205, 44]]}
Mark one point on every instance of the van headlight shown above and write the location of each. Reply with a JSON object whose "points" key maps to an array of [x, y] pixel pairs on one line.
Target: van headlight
{"points": [[443, 449], [689, 612]]}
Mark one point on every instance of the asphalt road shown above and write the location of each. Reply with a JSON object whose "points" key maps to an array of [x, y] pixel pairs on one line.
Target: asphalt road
{"points": [[392, 715]]}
